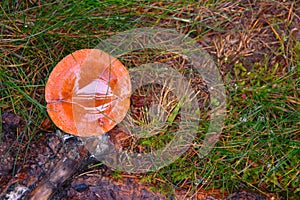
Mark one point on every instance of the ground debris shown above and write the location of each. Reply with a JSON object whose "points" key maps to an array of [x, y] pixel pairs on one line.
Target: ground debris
{"points": [[58, 169], [50, 168], [95, 186]]}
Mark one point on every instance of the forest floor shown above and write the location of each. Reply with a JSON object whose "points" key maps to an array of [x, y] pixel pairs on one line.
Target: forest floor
{"points": [[254, 44]]}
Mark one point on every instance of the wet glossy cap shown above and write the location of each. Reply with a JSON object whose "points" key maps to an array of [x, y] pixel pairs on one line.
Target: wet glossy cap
{"points": [[88, 93]]}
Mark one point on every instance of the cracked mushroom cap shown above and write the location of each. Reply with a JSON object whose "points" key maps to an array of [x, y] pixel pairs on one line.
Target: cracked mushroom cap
{"points": [[88, 93]]}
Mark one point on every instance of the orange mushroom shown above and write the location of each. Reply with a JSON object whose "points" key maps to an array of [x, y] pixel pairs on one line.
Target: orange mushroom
{"points": [[88, 93]]}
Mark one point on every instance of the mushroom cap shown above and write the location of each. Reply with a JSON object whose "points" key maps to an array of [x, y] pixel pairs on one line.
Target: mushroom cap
{"points": [[88, 93]]}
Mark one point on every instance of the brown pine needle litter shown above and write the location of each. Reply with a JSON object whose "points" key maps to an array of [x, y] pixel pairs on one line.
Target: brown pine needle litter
{"points": [[255, 45]]}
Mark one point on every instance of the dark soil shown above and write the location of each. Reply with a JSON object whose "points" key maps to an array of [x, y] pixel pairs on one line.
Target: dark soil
{"points": [[58, 168], [48, 165]]}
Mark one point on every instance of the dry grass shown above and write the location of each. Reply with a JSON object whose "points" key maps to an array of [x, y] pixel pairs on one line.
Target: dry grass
{"points": [[255, 44]]}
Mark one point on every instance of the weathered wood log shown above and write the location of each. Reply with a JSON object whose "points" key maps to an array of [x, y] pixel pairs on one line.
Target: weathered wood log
{"points": [[64, 169]]}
